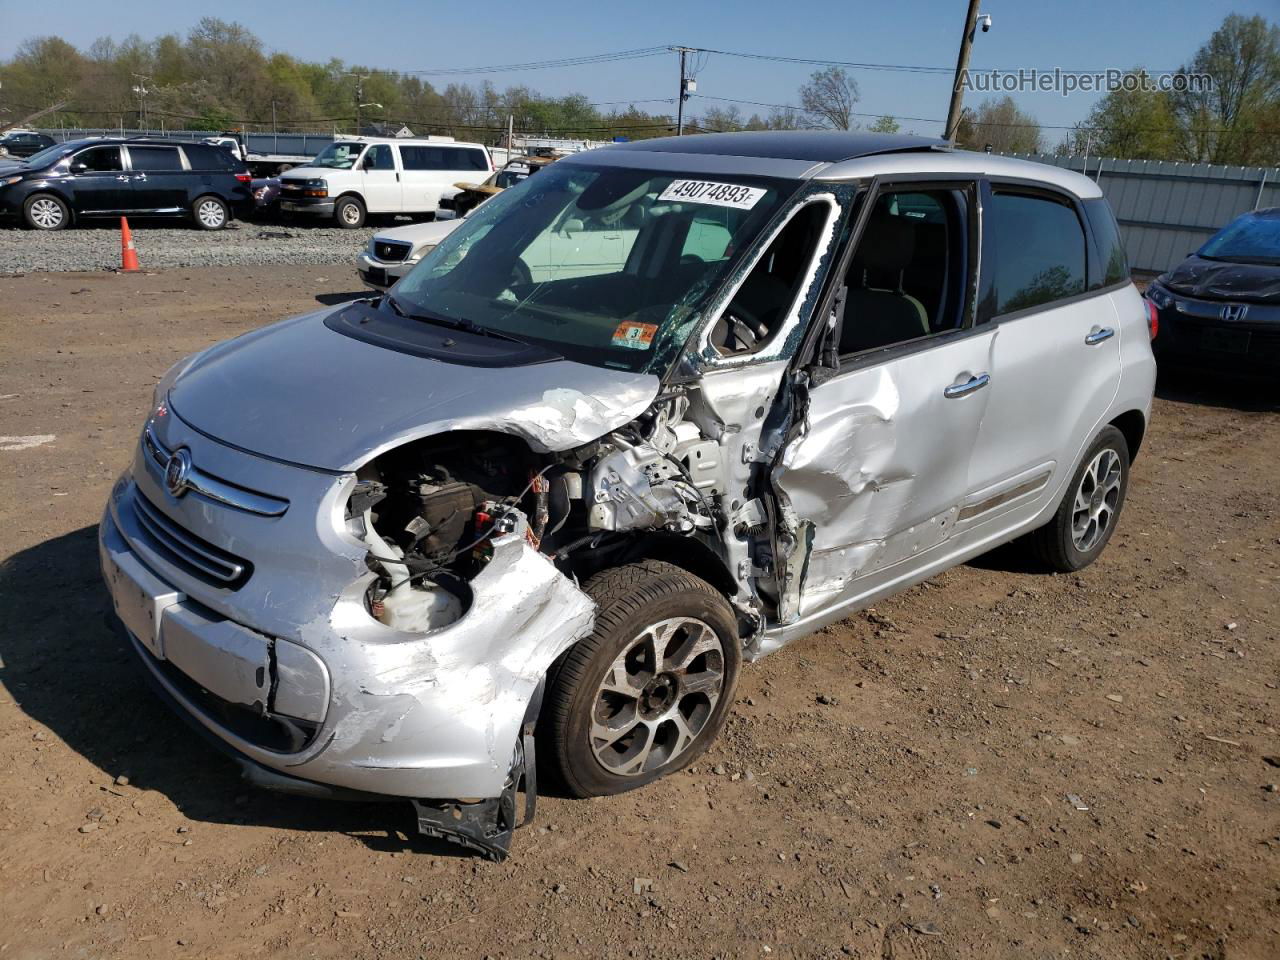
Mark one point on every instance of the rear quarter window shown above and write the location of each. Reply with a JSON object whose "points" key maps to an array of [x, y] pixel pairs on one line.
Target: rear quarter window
{"points": [[1038, 245], [205, 157], [1111, 264], [155, 159]]}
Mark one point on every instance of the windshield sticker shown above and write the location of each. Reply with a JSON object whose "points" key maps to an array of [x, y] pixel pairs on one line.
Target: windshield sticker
{"points": [[715, 194], [635, 336]]}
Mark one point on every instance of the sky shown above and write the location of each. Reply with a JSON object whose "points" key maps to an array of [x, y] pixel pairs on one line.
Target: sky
{"points": [[429, 35]]}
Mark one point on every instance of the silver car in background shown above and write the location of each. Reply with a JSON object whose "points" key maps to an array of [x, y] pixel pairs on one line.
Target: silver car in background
{"points": [[662, 408]]}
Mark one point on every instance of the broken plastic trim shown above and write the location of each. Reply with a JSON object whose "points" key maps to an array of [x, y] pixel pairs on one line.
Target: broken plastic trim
{"points": [[486, 826]]}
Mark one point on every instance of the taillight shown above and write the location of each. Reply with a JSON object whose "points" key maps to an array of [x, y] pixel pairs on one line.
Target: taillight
{"points": [[1153, 318], [243, 177]]}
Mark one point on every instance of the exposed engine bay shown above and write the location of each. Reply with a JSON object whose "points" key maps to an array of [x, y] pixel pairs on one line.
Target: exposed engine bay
{"points": [[428, 510]]}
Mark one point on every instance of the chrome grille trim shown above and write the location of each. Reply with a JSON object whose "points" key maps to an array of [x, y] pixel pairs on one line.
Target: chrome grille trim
{"points": [[391, 251], [220, 567], [211, 487]]}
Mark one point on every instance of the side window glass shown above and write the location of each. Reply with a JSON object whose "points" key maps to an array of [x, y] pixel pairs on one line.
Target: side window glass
{"points": [[909, 272], [765, 298], [380, 158], [1112, 267], [708, 238], [1039, 251], [100, 159], [155, 159]]}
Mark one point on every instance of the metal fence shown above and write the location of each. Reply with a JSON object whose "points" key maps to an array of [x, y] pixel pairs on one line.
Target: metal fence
{"points": [[1166, 209], [306, 144]]}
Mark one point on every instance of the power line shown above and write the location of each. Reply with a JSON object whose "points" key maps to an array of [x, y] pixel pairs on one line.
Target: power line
{"points": [[636, 54]]}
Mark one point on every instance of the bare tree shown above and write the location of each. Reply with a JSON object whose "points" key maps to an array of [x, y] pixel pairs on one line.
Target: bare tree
{"points": [[829, 97], [1000, 125]]}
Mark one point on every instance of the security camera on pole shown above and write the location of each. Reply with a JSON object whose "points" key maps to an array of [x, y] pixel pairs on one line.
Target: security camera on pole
{"points": [[962, 65]]}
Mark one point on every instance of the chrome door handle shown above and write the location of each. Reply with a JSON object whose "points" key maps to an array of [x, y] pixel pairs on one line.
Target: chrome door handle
{"points": [[140, 176], [970, 385], [123, 177], [1097, 336]]}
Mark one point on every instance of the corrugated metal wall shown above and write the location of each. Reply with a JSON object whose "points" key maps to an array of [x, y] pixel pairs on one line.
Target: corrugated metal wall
{"points": [[1166, 210]]}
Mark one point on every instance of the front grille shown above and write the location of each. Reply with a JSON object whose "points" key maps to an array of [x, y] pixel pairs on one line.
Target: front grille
{"points": [[389, 251], [183, 548], [291, 189]]}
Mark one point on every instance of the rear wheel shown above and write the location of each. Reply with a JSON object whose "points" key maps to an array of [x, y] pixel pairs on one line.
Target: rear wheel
{"points": [[210, 213], [650, 688], [1087, 516], [349, 213], [44, 211]]}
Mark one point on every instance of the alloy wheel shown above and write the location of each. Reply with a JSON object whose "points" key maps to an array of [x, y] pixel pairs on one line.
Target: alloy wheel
{"points": [[657, 696], [46, 213], [211, 214], [1096, 500]]}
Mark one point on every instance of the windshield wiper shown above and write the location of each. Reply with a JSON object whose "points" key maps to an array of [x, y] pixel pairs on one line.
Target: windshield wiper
{"points": [[461, 323]]}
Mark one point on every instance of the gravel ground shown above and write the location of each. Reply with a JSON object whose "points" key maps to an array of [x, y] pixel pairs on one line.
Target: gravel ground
{"points": [[243, 243]]}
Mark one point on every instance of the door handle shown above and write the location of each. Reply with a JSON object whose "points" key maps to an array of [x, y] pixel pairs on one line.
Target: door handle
{"points": [[140, 176], [1097, 336], [969, 386], [123, 177]]}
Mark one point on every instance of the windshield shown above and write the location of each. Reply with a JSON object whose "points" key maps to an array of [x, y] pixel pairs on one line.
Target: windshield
{"points": [[49, 154], [338, 156], [603, 266], [1248, 239]]}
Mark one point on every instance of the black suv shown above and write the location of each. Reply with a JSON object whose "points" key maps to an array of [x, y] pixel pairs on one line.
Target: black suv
{"points": [[111, 177], [23, 144]]}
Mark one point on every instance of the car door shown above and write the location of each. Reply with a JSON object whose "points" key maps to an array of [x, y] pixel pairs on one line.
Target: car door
{"points": [[158, 181], [872, 484], [99, 182], [1056, 360], [380, 179]]}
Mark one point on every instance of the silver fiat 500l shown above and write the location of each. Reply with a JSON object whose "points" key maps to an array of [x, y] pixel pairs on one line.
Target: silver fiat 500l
{"points": [[664, 407]]}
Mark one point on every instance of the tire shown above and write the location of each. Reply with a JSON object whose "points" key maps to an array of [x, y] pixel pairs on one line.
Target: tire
{"points": [[1090, 508], [210, 213], [671, 715], [349, 213], [44, 211]]}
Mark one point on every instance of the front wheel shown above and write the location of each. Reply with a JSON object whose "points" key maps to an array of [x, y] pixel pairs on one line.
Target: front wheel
{"points": [[45, 212], [1087, 516], [210, 213], [349, 212], [652, 685]]}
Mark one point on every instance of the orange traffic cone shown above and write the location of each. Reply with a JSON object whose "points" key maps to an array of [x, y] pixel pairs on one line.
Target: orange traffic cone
{"points": [[128, 252]]}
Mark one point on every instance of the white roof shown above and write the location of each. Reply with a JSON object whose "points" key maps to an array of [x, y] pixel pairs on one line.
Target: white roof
{"points": [[967, 162]]}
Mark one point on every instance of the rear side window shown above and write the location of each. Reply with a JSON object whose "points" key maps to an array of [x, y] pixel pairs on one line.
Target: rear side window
{"points": [[155, 159], [442, 158], [205, 157], [1112, 267], [1039, 251]]}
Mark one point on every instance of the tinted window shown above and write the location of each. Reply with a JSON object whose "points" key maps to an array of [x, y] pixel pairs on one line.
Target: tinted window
{"points": [[379, 158], [155, 159], [1112, 267], [442, 158], [1039, 251], [910, 271], [100, 158], [204, 157]]}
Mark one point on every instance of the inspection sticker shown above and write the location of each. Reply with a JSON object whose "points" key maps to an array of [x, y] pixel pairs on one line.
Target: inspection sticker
{"points": [[635, 336], [715, 194]]}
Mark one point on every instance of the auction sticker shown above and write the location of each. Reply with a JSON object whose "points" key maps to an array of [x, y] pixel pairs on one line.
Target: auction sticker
{"points": [[716, 194], [635, 336]]}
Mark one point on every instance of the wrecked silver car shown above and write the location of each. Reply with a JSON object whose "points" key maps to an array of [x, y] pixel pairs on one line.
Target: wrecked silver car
{"points": [[661, 408]]}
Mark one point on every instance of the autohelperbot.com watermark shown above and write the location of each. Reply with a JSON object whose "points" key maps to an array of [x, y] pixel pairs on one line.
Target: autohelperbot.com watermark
{"points": [[1067, 82]]}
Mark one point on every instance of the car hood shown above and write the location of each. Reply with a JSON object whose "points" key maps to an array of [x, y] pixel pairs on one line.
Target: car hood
{"points": [[1221, 280], [418, 234], [299, 391]]}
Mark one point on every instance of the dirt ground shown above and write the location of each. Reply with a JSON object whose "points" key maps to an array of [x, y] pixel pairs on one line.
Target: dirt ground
{"points": [[895, 787]]}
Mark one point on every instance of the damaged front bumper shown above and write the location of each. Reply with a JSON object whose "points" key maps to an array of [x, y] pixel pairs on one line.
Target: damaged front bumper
{"points": [[296, 678]]}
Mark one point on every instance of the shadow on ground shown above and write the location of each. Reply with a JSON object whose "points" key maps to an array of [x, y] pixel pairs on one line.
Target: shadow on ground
{"points": [[1212, 388], [70, 672]]}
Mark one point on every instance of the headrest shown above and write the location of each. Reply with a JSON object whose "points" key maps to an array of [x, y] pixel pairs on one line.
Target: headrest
{"points": [[888, 243]]}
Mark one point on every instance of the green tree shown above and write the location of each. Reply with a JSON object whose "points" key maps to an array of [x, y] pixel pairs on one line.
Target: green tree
{"points": [[885, 125], [1135, 123], [999, 124]]}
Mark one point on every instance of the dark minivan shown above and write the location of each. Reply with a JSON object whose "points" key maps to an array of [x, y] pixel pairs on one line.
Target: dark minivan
{"points": [[136, 176]]}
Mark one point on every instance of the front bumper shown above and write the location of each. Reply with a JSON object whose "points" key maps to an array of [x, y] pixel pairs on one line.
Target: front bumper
{"points": [[379, 274], [1193, 334], [289, 670], [309, 207]]}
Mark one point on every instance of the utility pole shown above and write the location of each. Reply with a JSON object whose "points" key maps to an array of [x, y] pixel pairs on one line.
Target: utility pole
{"points": [[687, 84], [141, 90], [962, 64], [360, 79]]}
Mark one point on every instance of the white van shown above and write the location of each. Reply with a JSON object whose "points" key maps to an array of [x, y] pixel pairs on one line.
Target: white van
{"points": [[356, 176]]}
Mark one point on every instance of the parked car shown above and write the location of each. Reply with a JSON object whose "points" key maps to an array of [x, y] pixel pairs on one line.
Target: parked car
{"points": [[24, 143], [135, 176], [357, 176], [266, 196], [664, 407], [394, 252], [471, 195], [1220, 308]]}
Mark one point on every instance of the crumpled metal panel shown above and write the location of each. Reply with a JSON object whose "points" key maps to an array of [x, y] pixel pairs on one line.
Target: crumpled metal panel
{"points": [[314, 397]]}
